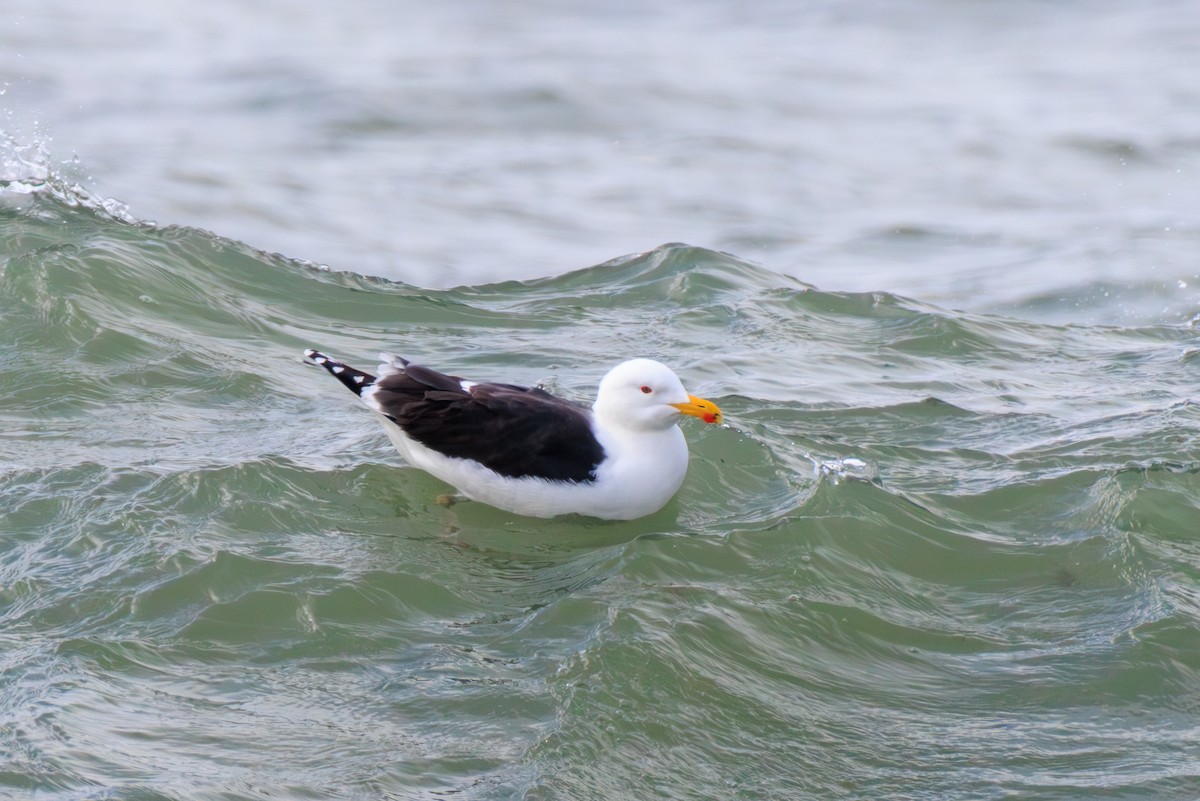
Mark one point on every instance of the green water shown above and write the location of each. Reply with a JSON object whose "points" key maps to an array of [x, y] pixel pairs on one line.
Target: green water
{"points": [[934, 554]]}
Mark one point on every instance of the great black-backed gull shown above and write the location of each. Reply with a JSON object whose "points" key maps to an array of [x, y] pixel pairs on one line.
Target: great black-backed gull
{"points": [[526, 451]]}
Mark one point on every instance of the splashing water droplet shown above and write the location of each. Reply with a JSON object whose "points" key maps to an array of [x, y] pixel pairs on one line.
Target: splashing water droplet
{"points": [[848, 468]]}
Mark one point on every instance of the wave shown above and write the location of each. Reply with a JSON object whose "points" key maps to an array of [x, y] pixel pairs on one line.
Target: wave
{"points": [[910, 504]]}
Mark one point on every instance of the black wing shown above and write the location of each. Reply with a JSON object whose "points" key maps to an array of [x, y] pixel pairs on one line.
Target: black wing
{"points": [[516, 431], [354, 380]]}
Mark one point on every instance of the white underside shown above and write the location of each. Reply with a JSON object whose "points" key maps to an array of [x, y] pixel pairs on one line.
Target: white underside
{"points": [[634, 480]]}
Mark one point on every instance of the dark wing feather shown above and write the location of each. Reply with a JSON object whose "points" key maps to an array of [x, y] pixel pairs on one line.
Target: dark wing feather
{"points": [[517, 431], [352, 379]]}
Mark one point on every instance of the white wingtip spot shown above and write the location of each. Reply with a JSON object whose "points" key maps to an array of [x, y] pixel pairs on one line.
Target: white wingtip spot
{"points": [[337, 369], [368, 397]]}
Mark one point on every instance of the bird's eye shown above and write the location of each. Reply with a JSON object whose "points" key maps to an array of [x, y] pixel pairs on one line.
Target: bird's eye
{"points": [[646, 390]]}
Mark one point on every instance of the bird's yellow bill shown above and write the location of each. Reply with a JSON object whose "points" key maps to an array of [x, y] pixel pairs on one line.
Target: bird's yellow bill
{"points": [[706, 410]]}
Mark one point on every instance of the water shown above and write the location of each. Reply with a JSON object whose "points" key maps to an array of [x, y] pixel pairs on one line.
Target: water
{"points": [[988, 155], [945, 548], [937, 554]]}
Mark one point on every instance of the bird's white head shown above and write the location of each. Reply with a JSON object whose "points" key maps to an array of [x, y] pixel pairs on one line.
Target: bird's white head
{"points": [[645, 395]]}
